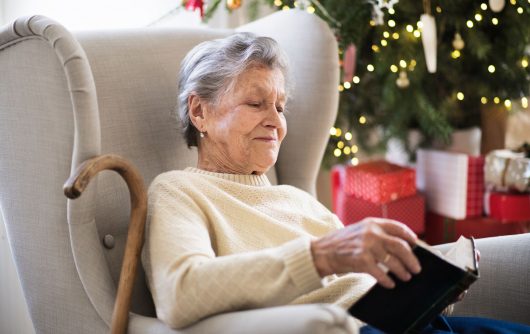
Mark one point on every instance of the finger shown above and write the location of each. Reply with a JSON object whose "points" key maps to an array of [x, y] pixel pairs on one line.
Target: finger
{"points": [[381, 277], [403, 253], [399, 230], [395, 266]]}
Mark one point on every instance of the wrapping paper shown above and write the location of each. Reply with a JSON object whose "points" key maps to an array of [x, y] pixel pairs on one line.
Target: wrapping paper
{"points": [[509, 208], [379, 181], [440, 229], [452, 182], [506, 170], [350, 209]]}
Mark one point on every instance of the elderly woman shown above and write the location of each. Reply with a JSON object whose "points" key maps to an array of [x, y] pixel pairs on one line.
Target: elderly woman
{"points": [[220, 236]]}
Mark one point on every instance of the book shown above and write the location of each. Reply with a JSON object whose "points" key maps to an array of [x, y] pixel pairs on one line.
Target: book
{"points": [[410, 306]]}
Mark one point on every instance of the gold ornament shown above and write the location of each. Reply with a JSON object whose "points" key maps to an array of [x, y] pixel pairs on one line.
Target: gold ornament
{"points": [[233, 4], [403, 80], [458, 42]]}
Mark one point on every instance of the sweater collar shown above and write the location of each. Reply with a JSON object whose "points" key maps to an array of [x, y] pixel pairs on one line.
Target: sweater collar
{"points": [[251, 180]]}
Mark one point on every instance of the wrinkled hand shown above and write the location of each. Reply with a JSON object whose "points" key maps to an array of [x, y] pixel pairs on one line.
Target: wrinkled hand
{"points": [[361, 246]]}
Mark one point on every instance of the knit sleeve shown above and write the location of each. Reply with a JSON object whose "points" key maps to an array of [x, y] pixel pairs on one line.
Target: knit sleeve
{"points": [[188, 282]]}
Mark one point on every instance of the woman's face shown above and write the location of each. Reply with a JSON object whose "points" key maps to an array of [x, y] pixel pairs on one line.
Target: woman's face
{"points": [[244, 131]]}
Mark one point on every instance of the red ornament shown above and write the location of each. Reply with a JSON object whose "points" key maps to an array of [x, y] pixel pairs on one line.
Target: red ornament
{"points": [[348, 63], [195, 4]]}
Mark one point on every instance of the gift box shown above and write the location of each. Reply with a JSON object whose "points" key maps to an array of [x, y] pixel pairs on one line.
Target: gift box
{"points": [[440, 229], [350, 209], [379, 181], [453, 183], [506, 170], [509, 207]]}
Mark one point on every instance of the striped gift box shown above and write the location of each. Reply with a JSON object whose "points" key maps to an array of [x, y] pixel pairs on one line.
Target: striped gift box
{"points": [[452, 182]]}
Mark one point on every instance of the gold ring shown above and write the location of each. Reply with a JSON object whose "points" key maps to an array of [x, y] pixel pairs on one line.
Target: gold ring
{"points": [[387, 258]]}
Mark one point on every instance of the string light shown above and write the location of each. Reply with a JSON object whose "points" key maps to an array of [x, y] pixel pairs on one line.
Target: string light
{"points": [[356, 80], [478, 17], [311, 10], [495, 21], [402, 63], [370, 68], [384, 42], [455, 54], [520, 10], [372, 23], [483, 6], [419, 24], [347, 85], [337, 152], [375, 48], [341, 88], [355, 161], [508, 104], [395, 35], [491, 69], [438, 9], [338, 132], [347, 150], [524, 63], [496, 100], [412, 65], [362, 120], [278, 3], [340, 144], [409, 28], [469, 24], [393, 68], [332, 131], [386, 34], [524, 102], [484, 100], [417, 33], [348, 136], [513, 2], [460, 96], [285, 7], [391, 11], [354, 149], [391, 23]]}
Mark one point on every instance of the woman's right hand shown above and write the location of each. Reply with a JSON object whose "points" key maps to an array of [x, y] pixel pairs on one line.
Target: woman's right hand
{"points": [[360, 247]]}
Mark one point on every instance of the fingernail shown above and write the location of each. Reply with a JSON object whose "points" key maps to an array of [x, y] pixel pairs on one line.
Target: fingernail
{"points": [[417, 269]]}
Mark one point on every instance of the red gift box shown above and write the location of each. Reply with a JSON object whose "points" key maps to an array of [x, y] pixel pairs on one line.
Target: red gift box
{"points": [[440, 229], [507, 207], [379, 181], [350, 209]]}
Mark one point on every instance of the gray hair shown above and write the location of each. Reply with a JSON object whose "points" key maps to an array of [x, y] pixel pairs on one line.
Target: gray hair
{"points": [[212, 67]]}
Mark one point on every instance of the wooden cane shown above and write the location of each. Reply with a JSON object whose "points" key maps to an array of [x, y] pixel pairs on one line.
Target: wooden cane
{"points": [[74, 187]]}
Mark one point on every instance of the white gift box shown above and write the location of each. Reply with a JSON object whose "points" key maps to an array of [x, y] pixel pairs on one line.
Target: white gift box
{"points": [[453, 183]]}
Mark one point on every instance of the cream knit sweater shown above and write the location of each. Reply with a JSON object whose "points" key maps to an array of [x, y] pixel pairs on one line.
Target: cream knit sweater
{"points": [[223, 242]]}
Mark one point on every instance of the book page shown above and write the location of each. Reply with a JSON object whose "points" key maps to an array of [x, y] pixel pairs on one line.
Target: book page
{"points": [[462, 254]]}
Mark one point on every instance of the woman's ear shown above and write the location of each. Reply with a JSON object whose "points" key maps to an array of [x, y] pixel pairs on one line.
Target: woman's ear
{"points": [[196, 111]]}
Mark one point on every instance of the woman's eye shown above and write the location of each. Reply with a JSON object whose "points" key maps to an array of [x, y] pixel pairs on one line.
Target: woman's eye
{"points": [[254, 104], [280, 109]]}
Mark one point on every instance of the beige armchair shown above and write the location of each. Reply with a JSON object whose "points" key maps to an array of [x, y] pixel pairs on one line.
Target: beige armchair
{"points": [[65, 98]]}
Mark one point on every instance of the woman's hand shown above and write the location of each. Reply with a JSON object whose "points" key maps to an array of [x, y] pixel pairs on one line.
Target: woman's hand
{"points": [[364, 246]]}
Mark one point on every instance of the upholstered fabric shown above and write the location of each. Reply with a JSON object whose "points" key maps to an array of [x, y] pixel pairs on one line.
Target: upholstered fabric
{"points": [[64, 99]]}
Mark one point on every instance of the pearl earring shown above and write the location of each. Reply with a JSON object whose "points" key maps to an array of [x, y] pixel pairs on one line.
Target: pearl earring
{"points": [[201, 134]]}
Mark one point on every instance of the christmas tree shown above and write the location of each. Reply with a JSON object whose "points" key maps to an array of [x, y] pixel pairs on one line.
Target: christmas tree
{"points": [[478, 55]]}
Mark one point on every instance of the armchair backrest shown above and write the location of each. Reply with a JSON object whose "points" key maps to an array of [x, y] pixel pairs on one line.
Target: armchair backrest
{"points": [[64, 99]]}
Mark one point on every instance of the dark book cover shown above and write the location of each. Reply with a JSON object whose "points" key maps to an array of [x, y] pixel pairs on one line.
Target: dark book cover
{"points": [[411, 306]]}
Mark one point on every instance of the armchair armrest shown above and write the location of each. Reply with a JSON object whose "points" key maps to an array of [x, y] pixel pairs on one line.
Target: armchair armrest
{"points": [[293, 319], [503, 290]]}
